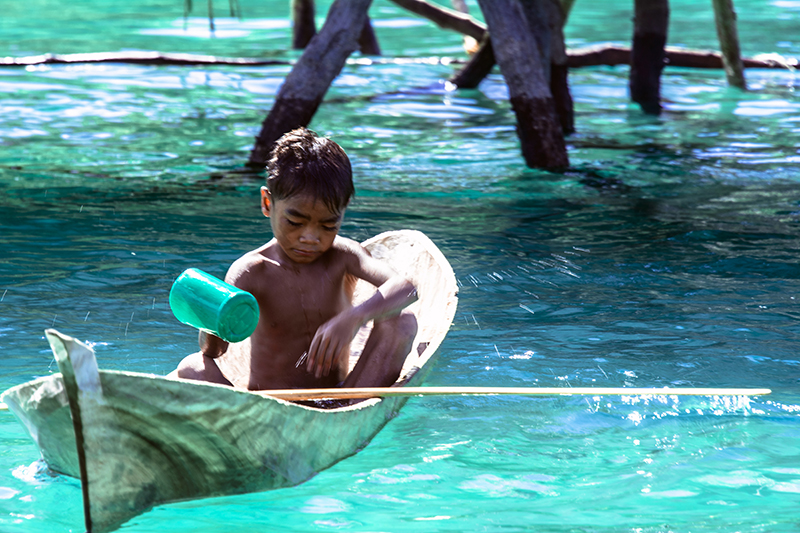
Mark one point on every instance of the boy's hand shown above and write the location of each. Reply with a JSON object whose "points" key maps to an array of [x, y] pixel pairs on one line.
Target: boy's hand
{"points": [[331, 341], [211, 345]]}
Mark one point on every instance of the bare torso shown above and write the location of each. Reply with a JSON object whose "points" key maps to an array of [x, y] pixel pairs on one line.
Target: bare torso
{"points": [[294, 301]]}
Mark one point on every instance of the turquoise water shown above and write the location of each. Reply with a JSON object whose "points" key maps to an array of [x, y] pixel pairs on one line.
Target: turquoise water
{"points": [[666, 256]]}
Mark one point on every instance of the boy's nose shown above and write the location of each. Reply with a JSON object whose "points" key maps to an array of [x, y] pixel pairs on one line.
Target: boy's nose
{"points": [[309, 237]]}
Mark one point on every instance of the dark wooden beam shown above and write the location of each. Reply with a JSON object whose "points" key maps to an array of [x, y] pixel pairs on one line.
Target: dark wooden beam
{"points": [[477, 68], [520, 61], [650, 22], [448, 19], [306, 85], [367, 41], [304, 27]]}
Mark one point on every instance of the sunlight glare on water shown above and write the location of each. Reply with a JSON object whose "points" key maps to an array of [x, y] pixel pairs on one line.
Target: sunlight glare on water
{"points": [[665, 256]]}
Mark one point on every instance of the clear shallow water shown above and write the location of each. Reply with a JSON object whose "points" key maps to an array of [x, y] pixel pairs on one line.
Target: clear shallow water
{"points": [[667, 255]]}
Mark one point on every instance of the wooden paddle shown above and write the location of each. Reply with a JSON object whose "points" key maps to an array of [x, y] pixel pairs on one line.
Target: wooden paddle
{"points": [[378, 392], [345, 394]]}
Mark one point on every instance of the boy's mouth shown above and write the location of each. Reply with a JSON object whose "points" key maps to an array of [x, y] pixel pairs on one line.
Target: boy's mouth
{"points": [[305, 253]]}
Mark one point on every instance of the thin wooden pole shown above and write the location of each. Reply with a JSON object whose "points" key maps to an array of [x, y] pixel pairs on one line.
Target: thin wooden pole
{"points": [[211, 16], [725, 18], [383, 392], [376, 392]]}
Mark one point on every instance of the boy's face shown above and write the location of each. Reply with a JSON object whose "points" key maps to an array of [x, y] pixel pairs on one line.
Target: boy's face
{"points": [[303, 226]]}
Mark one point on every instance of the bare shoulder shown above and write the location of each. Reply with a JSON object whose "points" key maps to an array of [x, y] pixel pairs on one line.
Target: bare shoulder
{"points": [[360, 263], [348, 248], [249, 269]]}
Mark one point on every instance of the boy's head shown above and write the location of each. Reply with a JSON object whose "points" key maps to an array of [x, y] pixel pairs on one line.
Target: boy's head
{"points": [[304, 163]]}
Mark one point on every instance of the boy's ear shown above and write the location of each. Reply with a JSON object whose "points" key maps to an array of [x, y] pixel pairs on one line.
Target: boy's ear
{"points": [[266, 201]]}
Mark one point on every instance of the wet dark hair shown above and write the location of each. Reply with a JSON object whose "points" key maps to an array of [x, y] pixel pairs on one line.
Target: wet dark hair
{"points": [[304, 163]]}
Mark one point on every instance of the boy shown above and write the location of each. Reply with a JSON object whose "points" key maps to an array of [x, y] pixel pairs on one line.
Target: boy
{"points": [[303, 280]]}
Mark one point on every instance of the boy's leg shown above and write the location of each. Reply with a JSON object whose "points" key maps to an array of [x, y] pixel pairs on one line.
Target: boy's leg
{"points": [[383, 356], [201, 368]]}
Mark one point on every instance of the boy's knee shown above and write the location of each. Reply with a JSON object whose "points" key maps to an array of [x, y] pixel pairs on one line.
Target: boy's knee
{"points": [[198, 367], [190, 367], [407, 324], [402, 325]]}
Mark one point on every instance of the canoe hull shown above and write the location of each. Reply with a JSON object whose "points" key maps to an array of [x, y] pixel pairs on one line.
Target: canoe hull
{"points": [[136, 440], [230, 443]]}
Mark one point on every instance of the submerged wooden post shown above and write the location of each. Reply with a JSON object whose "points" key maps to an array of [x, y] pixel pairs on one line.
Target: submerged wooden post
{"points": [[477, 68], [538, 17], [546, 19], [566, 8], [559, 70], [303, 27], [367, 41], [725, 18], [306, 85], [520, 61], [651, 20]]}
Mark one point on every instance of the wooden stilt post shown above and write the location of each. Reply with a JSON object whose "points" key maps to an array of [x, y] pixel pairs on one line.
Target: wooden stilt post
{"points": [[304, 28], [566, 8], [725, 18], [477, 68], [546, 20], [651, 20], [367, 41], [559, 71], [553, 52], [537, 13], [306, 85], [520, 62]]}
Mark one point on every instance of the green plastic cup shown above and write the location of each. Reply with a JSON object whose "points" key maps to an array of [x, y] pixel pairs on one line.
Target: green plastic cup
{"points": [[209, 304]]}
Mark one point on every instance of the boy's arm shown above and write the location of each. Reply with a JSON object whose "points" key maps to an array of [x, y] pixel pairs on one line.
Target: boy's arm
{"points": [[211, 345], [394, 294]]}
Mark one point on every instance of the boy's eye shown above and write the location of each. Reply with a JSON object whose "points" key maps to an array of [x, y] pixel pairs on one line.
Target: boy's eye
{"points": [[293, 223], [329, 228]]}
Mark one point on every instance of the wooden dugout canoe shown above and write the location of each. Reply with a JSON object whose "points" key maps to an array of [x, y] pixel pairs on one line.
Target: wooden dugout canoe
{"points": [[137, 440]]}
